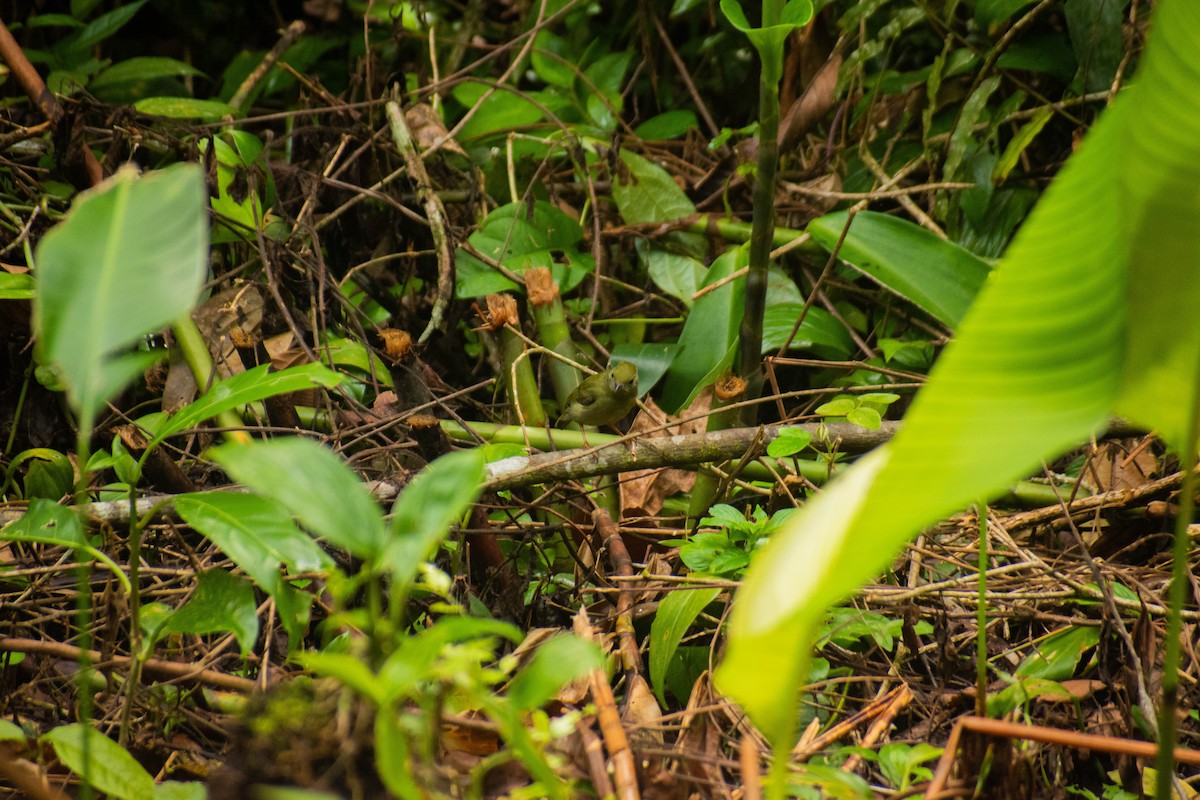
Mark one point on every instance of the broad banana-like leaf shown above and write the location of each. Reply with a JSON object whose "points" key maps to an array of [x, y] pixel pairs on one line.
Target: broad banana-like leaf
{"points": [[1091, 310]]}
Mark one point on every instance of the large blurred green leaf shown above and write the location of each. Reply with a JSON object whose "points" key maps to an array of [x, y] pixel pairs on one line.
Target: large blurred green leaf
{"points": [[314, 484], [1091, 310], [100, 761], [256, 532], [935, 275], [222, 602], [422, 515], [129, 258], [1158, 172]]}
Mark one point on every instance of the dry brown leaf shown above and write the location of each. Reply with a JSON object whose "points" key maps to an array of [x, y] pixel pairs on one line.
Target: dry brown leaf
{"points": [[643, 491], [641, 715], [428, 129], [236, 307], [1120, 464], [816, 102], [473, 741]]}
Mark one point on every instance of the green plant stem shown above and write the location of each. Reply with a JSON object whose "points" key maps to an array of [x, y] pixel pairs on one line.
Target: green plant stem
{"points": [[195, 353], [555, 334], [707, 487], [522, 384], [981, 652], [751, 332], [733, 230], [135, 617], [12, 432], [83, 588], [1167, 723]]}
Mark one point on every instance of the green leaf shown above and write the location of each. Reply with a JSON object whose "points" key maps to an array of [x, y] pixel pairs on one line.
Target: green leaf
{"points": [[142, 69], [1047, 52], [183, 790], [1089, 312], [1021, 691], [54, 20], [502, 111], [11, 732], [936, 275], [789, 442], [1019, 142], [676, 274], [16, 287], [348, 669], [1158, 160], [667, 125], [222, 602], [314, 484], [560, 71], [768, 40], [245, 189], [676, 613], [1098, 40], [392, 758], [46, 522], [864, 417], [900, 763], [819, 331], [991, 12], [256, 532], [102, 27], [421, 517], [1030, 374], [645, 192], [963, 135], [107, 767], [1056, 657], [244, 388], [185, 108], [554, 664], [129, 258], [837, 408], [341, 351], [709, 335], [520, 238]]}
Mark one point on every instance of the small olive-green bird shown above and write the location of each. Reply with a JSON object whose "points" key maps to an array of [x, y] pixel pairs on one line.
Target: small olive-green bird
{"points": [[603, 398]]}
